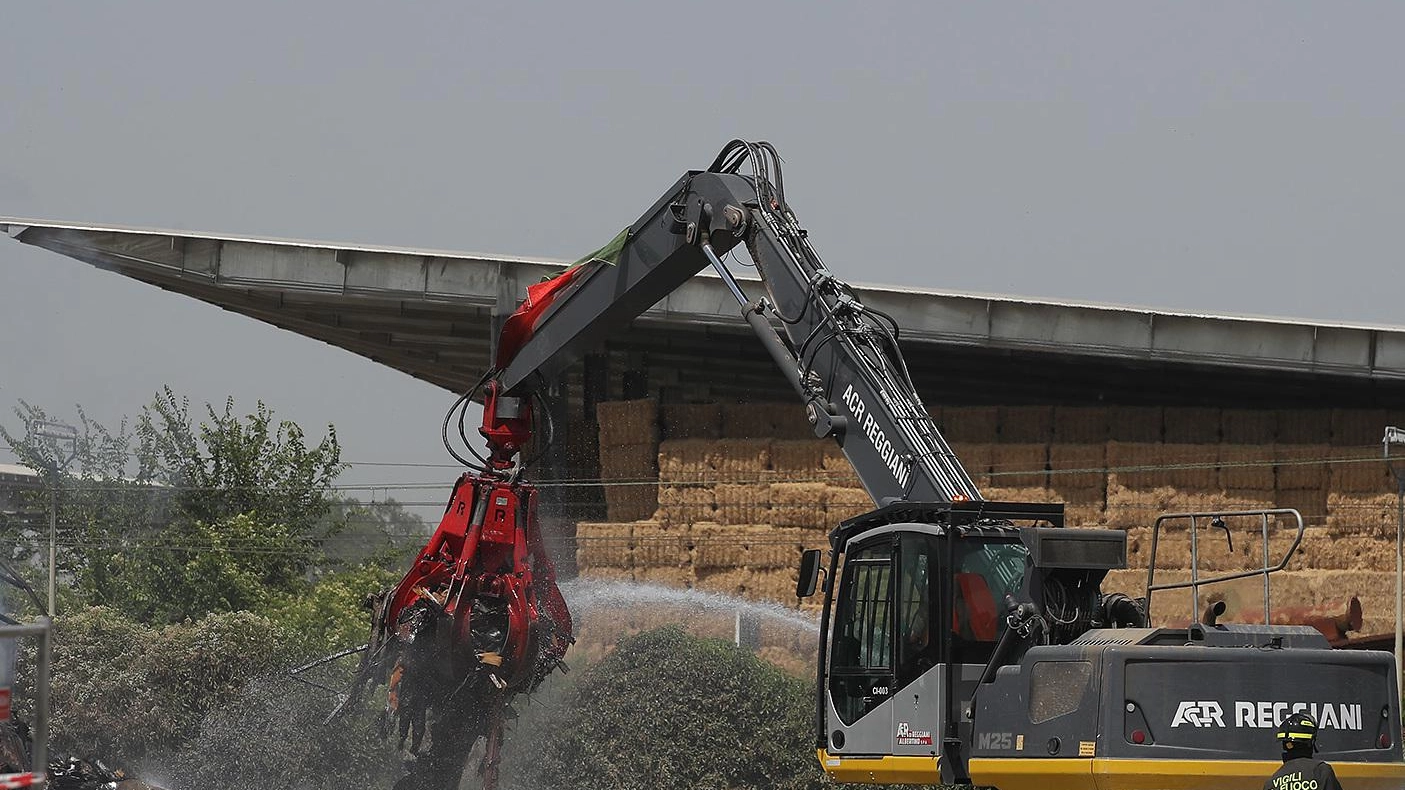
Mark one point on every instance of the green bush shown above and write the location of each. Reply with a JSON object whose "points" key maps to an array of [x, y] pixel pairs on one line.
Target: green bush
{"points": [[668, 710], [124, 690], [272, 737], [331, 615]]}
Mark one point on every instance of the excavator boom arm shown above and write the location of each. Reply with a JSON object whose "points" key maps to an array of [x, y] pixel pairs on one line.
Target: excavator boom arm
{"points": [[841, 357]]}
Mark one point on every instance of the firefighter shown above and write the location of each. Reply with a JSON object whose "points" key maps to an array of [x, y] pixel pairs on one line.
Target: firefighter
{"points": [[1301, 770]]}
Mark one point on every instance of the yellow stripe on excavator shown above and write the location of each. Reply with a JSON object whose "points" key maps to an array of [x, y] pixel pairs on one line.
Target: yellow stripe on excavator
{"points": [[890, 770], [1124, 774]]}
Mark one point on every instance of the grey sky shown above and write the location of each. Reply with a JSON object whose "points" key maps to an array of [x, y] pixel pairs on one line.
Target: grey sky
{"points": [[1237, 158]]}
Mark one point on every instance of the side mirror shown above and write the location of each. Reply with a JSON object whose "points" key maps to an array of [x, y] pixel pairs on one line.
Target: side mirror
{"points": [[809, 573]]}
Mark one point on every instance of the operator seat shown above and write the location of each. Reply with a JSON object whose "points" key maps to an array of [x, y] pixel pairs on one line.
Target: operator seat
{"points": [[975, 613]]}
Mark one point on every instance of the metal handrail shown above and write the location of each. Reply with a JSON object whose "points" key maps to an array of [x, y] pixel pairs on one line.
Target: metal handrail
{"points": [[42, 627], [1196, 582]]}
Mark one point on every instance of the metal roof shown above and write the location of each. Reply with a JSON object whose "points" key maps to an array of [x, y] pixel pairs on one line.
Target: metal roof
{"points": [[428, 312], [15, 470]]}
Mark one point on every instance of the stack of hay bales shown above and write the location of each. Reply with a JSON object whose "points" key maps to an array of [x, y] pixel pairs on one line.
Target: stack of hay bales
{"points": [[1137, 488], [691, 420], [732, 512], [1300, 446], [1078, 463], [1361, 490], [732, 493], [765, 420], [629, 441], [605, 550]]}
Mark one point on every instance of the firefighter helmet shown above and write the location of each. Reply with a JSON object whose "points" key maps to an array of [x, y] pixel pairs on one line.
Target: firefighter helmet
{"points": [[1298, 728]]}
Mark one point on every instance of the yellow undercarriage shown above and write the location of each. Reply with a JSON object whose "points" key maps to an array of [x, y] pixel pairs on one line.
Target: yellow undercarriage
{"points": [[1098, 773], [891, 770]]}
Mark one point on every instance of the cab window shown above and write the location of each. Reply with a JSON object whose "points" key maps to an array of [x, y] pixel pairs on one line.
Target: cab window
{"points": [[861, 653], [985, 573], [919, 645]]}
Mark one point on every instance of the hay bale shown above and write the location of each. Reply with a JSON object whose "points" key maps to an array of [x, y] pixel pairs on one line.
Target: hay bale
{"points": [[685, 461], [1134, 424], [686, 504], [1192, 467], [967, 424], [1310, 504], [1303, 426], [1025, 494], [798, 459], [777, 586], [1026, 424], [1078, 466], [1019, 465], [798, 504], [1173, 550], [739, 460], [600, 573], [743, 503], [1191, 425], [787, 420], [660, 545], [691, 420], [1362, 514], [815, 538], [1200, 502], [604, 545], [628, 422], [631, 462], [1137, 507], [742, 421], [1246, 467], [837, 469], [1136, 465], [717, 546], [1080, 424], [681, 578], [773, 547], [631, 502], [764, 421], [736, 582], [1247, 426], [1085, 514], [1300, 467], [845, 503], [1359, 470], [977, 459], [1083, 507], [1359, 427], [1131, 581], [1348, 552], [582, 451], [636, 494], [1250, 499]]}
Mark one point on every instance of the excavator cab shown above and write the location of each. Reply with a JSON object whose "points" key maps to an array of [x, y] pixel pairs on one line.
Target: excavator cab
{"points": [[918, 600]]}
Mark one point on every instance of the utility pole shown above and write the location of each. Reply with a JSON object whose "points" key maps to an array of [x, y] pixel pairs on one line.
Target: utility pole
{"points": [[1396, 463], [56, 432]]}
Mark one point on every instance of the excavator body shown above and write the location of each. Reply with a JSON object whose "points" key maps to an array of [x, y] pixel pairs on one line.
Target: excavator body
{"points": [[973, 644]]}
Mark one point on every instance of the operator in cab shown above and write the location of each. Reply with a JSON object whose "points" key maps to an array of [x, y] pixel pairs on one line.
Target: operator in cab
{"points": [[1301, 769]]}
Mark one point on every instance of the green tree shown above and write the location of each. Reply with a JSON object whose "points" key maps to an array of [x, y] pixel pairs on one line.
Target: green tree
{"points": [[332, 615], [382, 533], [229, 465], [177, 519], [108, 503]]}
